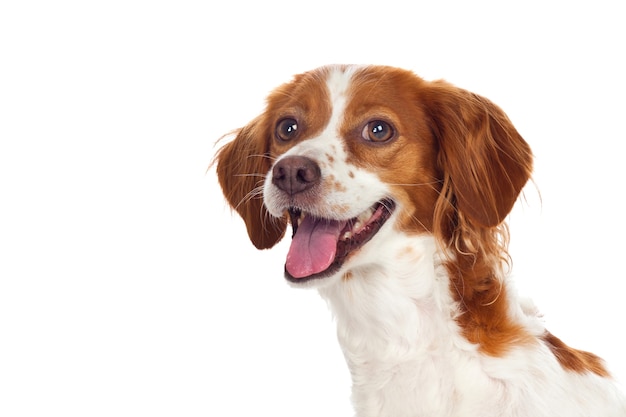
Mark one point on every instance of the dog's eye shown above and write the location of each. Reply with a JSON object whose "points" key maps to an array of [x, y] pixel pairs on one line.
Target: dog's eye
{"points": [[287, 129], [377, 131]]}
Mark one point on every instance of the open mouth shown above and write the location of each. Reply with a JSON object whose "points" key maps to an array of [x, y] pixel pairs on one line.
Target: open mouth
{"points": [[319, 247]]}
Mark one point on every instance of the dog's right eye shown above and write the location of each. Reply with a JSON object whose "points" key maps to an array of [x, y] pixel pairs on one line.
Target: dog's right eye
{"points": [[287, 129], [378, 131]]}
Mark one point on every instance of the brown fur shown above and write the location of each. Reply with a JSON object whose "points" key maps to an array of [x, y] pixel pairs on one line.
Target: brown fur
{"points": [[573, 359], [241, 168], [485, 163]]}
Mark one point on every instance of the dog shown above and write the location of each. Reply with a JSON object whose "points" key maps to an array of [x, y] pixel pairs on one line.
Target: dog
{"points": [[397, 190]]}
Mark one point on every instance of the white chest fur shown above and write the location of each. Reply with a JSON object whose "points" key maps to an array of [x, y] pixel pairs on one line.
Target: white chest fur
{"points": [[407, 356]]}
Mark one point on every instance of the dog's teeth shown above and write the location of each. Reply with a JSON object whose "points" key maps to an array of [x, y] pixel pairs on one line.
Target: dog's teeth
{"points": [[363, 217], [359, 222]]}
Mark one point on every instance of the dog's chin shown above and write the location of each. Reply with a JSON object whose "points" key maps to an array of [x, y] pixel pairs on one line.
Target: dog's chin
{"points": [[330, 244], [320, 280], [316, 283]]}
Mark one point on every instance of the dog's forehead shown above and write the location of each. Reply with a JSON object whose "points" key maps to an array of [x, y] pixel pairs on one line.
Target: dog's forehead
{"points": [[317, 100], [314, 93], [338, 82]]}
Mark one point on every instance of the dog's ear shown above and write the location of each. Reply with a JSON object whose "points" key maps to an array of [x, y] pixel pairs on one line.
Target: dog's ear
{"points": [[242, 165], [486, 159]]}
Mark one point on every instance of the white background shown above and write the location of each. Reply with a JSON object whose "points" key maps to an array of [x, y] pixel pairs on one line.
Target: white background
{"points": [[127, 288]]}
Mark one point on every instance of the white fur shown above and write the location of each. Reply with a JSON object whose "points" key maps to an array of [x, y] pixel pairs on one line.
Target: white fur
{"points": [[396, 320]]}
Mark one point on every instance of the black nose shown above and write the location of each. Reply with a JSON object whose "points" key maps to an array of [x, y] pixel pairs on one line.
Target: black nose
{"points": [[295, 174]]}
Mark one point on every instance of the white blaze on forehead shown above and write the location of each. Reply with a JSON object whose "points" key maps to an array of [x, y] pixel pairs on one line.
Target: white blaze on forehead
{"points": [[338, 82]]}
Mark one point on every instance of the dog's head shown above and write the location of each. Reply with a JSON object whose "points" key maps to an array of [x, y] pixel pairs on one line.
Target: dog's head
{"points": [[344, 152]]}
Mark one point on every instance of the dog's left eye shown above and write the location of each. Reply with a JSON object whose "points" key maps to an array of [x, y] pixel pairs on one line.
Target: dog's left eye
{"points": [[377, 131], [286, 129]]}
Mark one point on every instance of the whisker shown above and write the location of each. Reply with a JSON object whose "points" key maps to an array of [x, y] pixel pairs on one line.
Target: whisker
{"points": [[416, 184], [256, 192], [251, 175], [260, 155]]}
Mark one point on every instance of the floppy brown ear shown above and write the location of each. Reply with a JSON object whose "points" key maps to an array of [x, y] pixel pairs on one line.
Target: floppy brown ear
{"points": [[487, 160], [241, 168]]}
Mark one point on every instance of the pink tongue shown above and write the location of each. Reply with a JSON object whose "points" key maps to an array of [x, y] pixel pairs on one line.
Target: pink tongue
{"points": [[313, 247]]}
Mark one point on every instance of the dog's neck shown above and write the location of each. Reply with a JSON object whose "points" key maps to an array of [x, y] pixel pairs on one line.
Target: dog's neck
{"points": [[396, 323], [399, 301]]}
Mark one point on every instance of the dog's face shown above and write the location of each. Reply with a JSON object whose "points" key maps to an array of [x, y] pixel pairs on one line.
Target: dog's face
{"points": [[346, 160], [352, 155]]}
